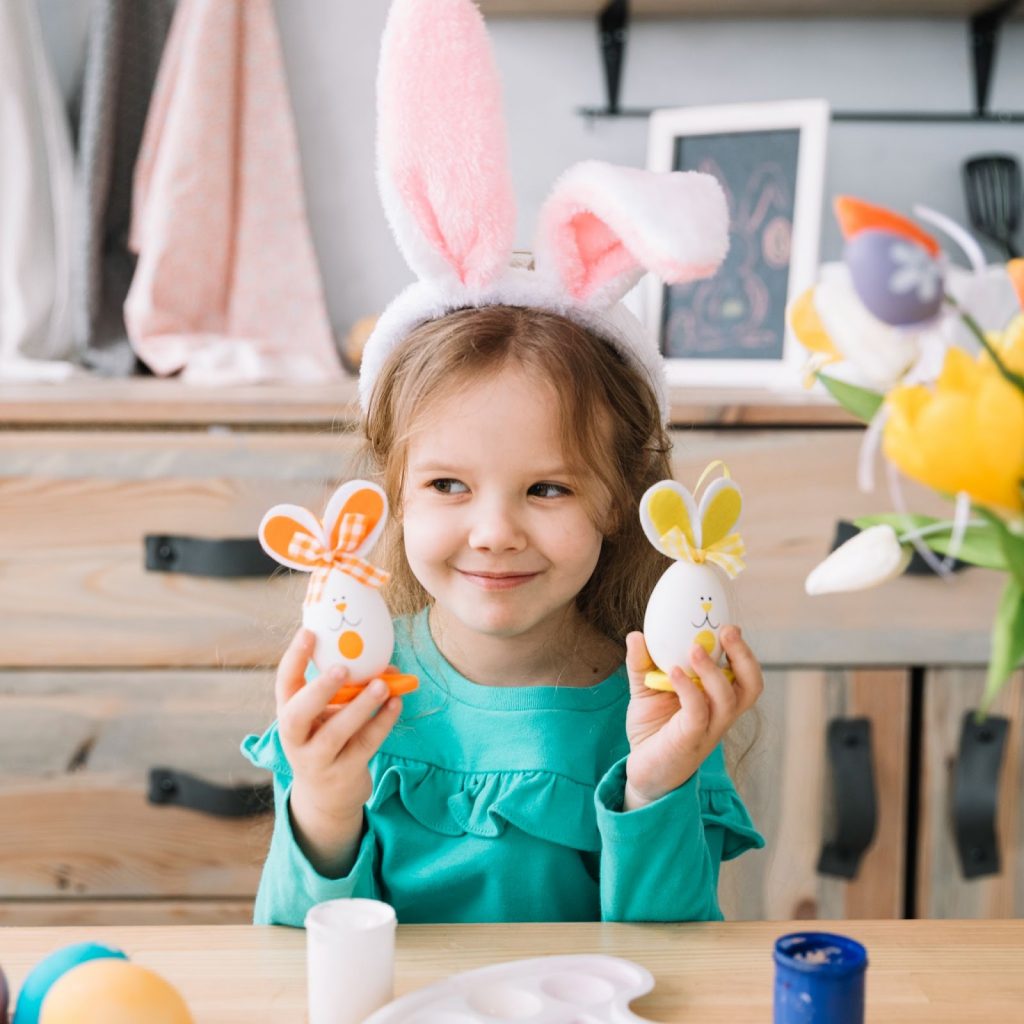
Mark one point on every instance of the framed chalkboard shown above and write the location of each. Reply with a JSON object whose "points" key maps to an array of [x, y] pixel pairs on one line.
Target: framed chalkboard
{"points": [[730, 330]]}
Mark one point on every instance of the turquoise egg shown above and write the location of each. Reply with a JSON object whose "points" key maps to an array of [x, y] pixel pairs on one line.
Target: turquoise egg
{"points": [[48, 970]]}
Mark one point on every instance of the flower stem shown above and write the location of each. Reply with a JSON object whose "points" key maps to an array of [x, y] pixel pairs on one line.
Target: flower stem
{"points": [[1016, 379]]}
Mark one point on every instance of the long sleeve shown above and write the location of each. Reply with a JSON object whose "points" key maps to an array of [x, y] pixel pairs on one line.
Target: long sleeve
{"points": [[290, 885], [661, 862]]}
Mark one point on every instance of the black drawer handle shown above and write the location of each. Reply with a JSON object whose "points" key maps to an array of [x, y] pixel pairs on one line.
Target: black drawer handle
{"points": [[854, 797], [225, 558], [168, 786], [976, 793]]}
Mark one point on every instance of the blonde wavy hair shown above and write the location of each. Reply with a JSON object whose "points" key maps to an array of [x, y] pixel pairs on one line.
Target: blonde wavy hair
{"points": [[611, 434]]}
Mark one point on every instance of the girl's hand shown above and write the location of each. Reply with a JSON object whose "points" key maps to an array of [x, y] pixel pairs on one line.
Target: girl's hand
{"points": [[670, 734], [329, 748]]}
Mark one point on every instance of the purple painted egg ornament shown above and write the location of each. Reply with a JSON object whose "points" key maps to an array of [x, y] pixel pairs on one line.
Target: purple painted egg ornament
{"points": [[898, 280]]}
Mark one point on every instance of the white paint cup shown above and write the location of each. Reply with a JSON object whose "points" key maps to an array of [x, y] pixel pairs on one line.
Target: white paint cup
{"points": [[350, 959]]}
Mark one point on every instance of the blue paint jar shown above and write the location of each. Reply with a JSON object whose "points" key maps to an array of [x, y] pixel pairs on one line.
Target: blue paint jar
{"points": [[819, 979]]}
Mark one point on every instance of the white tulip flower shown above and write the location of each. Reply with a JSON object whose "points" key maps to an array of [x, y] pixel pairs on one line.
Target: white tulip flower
{"points": [[872, 557]]}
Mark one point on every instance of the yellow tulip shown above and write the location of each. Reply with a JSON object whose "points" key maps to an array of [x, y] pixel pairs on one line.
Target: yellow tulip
{"points": [[1010, 346], [965, 435]]}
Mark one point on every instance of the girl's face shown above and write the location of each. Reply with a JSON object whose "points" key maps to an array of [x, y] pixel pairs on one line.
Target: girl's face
{"points": [[495, 529]]}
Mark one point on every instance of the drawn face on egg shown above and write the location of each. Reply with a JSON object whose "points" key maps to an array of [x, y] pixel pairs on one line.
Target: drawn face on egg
{"points": [[352, 625], [688, 606]]}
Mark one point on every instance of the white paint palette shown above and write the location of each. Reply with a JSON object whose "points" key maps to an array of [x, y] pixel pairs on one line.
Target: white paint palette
{"points": [[585, 989]]}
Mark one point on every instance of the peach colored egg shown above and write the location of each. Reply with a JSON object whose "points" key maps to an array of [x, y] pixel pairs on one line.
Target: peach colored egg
{"points": [[113, 992]]}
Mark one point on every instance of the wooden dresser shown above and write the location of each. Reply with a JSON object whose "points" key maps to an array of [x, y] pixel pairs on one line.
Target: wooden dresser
{"points": [[109, 669]]}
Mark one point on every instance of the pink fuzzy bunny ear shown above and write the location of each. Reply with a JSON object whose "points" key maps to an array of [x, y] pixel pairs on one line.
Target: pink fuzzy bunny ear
{"points": [[603, 226], [441, 151]]}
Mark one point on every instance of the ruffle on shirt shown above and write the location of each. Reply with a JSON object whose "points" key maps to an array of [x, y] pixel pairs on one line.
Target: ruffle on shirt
{"points": [[543, 804], [721, 805], [267, 752]]}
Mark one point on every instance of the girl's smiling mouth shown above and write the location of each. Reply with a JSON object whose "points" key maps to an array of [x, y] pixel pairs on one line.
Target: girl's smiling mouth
{"points": [[497, 580]]}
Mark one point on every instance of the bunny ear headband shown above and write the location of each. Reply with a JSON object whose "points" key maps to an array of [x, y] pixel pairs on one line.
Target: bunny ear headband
{"points": [[690, 532], [352, 522], [443, 175]]}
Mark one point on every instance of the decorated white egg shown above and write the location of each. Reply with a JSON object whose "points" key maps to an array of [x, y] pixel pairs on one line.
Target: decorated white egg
{"points": [[690, 603], [344, 607], [688, 606], [352, 626]]}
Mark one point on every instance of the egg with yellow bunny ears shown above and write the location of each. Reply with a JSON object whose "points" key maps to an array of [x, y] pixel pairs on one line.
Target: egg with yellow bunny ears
{"points": [[690, 603]]}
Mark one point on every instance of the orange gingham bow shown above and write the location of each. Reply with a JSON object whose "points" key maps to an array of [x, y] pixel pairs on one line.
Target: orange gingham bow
{"points": [[351, 534]]}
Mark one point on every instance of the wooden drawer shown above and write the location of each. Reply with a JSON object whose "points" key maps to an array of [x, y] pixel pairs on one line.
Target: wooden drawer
{"points": [[785, 783], [75, 510], [797, 484], [942, 889], [75, 754]]}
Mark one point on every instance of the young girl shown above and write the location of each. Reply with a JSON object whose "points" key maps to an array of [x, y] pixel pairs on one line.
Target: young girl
{"points": [[514, 416]]}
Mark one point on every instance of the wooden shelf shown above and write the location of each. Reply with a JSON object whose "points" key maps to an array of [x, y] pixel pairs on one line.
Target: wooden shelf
{"points": [[741, 8], [147, 403]]}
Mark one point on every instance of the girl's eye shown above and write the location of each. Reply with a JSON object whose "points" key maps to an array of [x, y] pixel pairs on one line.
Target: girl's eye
{"points": [[549, 491], [448, 486]]}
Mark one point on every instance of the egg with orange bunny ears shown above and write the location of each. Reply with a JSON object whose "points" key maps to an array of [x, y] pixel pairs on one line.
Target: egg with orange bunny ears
{"points": [[690, 602], [344, 608]]}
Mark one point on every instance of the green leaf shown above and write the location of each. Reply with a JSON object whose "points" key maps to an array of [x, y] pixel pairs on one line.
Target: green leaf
{"points": [[1007, 642], [857, 401], [1011, 543], [982, 545]]}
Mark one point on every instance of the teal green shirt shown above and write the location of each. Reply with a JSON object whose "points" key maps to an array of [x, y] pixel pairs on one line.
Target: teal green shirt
{"points": [[505, 804]]}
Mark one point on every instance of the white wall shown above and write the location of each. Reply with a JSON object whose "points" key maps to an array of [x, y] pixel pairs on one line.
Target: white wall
{"points": [[551, 67]]}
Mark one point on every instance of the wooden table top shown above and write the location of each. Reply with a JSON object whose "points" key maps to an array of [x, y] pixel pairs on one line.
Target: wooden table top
{"points": [[920, 971]]}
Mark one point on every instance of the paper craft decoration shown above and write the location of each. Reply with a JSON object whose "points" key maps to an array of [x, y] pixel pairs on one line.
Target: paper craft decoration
{"points": [[587, 988], [343, 605], [690, 602]]}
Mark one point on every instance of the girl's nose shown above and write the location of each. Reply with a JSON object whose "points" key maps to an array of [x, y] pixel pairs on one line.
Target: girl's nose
{"points": [[496, 527]]}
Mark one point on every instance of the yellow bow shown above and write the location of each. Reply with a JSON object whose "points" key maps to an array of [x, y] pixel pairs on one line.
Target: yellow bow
{"points": [[726, 553]]}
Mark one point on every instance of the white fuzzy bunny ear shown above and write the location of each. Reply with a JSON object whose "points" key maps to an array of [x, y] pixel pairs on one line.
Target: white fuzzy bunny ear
{"points": [[442, 163], [603, 226]]}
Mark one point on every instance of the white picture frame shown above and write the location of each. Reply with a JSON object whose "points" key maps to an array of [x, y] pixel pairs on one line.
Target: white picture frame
{"points": [[792, 137]]}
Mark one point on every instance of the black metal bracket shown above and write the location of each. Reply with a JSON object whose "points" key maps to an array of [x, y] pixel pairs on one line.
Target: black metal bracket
{"points": [[612, 30], [169, 786], [976, 793], [220, 558], [986, 27], [854, 797]]}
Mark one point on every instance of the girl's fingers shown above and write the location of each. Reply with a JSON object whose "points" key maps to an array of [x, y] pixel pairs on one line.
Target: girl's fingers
{"points": [[717, 686], [745, 666], [291, 670], [299, 716], [334, 735], [365, 743], [694, 711], [638, 662]]}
